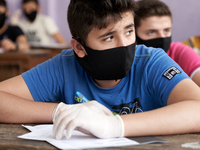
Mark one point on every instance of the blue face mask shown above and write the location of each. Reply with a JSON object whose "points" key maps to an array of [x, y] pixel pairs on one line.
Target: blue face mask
{"points": [[108, 64], [163, 43]]}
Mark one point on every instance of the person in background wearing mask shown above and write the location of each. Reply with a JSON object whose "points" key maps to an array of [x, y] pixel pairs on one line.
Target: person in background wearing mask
{"points": [[11, 37], [153, 23], [37, 27]]}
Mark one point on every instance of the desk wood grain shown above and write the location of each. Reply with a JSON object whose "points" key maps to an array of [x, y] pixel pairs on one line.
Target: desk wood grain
{"points": [[55, 50], [15, 63], [9, 140]]}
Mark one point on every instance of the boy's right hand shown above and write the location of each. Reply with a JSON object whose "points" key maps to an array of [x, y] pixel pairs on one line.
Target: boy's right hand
{"points": [[90, 118]]}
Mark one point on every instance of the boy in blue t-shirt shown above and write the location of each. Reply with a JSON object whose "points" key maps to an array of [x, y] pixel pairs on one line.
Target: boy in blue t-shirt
{"points": [[106, 85]]}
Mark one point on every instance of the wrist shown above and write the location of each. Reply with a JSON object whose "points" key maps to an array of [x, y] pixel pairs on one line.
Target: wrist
{"points": [[56, 110], [121, 126], [113, 127]]}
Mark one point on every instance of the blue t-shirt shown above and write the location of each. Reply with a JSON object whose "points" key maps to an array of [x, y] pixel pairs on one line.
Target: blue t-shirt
{"points": [[147, 86]]}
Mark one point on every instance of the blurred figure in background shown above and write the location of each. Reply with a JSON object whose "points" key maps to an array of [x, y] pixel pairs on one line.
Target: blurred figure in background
{"points": [[11, 37], [153, 23], [37, 27]]}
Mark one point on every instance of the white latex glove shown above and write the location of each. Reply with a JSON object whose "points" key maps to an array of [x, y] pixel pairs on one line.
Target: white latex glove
{"points": [[90, 117], [14, 19]]}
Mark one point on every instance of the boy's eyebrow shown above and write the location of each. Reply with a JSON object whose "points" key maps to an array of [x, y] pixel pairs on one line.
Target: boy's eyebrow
{"points": [[129, 26], [168, 28], [112, 32], [106, 34]]}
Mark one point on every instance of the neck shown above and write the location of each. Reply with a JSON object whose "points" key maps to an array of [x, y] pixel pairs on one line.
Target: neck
{"points": [[107, 83]]}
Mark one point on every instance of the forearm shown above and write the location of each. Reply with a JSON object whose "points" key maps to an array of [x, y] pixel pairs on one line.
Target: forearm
{"points": [[23, 46], [177, 118], [196, 78], [22, 42], [59, 38], [17, 110]]}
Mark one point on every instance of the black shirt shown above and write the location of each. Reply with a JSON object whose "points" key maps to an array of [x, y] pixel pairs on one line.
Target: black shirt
{"points": [[12, 32]]}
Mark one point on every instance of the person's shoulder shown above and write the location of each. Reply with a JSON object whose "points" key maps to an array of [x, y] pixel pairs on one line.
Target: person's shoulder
{"points": [[144, 51], [179, 47], [44, 17], [176, 45], [14, 28], [67, 53]]}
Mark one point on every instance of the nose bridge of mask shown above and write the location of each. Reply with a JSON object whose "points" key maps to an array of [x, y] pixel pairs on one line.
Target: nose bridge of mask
{"points": [[108, 64], [163, 43]]}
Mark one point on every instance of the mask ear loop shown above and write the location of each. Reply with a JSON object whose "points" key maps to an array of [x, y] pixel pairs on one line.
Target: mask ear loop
{"points": [[78, 40]]}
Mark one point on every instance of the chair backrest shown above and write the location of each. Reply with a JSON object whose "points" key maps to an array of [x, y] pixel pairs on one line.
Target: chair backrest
{"points": [[186, 42], [195, 40]]}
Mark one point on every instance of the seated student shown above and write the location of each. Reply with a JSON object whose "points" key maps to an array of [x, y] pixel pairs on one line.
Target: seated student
{"points": [[104, 74], [11, 37], [37, 27], [153, 23]]}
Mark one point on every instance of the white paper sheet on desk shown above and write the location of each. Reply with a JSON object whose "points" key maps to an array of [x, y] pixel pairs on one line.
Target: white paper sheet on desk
{"points": [[1, 50], [78, 139]]}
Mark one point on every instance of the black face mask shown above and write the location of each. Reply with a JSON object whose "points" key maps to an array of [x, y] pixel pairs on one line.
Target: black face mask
{"points": [[163, 43], [31, 16], [109, 64], [2, 19]]}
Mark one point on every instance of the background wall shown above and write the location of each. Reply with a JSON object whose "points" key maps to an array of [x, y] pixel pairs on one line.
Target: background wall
{"points": [[186, 16]]}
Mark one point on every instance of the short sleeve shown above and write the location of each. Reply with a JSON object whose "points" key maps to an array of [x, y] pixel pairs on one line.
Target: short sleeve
{"points": [[163, 75], [15, 32], [50, 26], [45, 80], [185, 56]]}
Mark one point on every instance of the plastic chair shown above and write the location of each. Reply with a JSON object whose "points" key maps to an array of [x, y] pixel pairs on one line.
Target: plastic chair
{"points": [[194, 42]]}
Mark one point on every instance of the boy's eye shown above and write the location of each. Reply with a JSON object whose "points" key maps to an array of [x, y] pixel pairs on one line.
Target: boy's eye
{"points": [[108, 38], [129, 32], [150, 32], [167, 31]]}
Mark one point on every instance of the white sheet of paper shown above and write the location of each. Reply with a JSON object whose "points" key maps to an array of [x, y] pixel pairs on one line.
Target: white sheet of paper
{"points": [[77, 141], [1, 50]]}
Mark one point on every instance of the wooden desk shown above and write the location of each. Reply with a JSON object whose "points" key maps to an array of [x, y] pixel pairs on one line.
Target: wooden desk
{"points": [[54, 48], [9, 140], [15, 63]]}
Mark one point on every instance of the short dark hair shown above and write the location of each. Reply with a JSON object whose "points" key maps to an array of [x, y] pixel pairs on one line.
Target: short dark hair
{"points": [[3, 3], [148, 8], [26, 1], [84, 15]]}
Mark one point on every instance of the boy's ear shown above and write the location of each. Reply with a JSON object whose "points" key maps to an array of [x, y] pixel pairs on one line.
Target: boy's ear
{"points": [[78, 48]]}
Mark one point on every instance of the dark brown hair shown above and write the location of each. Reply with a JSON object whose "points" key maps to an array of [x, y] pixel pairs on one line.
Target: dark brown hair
{"points": [[3, 3], [84, 15], [26, 1], [148, 8]]}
